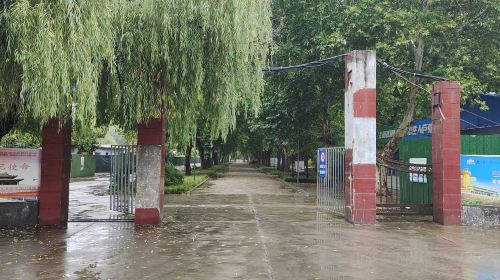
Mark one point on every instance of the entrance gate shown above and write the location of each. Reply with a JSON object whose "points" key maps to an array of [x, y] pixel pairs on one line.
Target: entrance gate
{"points": [[403, 188], [123, 182], [330, 182]]}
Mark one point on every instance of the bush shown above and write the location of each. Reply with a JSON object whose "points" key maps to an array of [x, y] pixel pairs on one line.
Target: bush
{"points": [[172, 175]]}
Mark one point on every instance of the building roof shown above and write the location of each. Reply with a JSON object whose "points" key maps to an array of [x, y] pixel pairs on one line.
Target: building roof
{"points": [[474, 120]]}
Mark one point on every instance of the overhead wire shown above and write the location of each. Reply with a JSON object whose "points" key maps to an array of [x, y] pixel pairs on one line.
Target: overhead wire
{"points": [[308, 65], [393, 69], [474, 126], [482, 117], [399, 72]]}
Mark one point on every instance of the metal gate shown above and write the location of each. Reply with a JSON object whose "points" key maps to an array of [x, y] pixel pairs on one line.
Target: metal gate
{"points": [[122, 187], [330, 182], [403, 188]]}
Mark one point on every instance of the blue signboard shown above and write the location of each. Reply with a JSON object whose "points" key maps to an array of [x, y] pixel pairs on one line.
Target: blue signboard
{"points": [[480, 174], [322, 163], [420, 129]]}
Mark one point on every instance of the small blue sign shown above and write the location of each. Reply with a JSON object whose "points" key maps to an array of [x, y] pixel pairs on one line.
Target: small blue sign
{"points": [[322, 163]]}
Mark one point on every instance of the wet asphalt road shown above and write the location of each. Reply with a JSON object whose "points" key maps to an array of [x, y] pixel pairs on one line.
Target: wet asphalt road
{"points": [[246, 225]]}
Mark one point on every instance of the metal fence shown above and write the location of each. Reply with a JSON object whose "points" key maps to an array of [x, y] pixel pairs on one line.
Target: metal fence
{"points": [[123, 178], [330, 187], [403, 188]]}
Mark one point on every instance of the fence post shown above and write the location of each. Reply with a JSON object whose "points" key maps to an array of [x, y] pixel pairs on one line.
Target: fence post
{"points": [[446, 153], [360, 137], [150, 172], [55, 172]]}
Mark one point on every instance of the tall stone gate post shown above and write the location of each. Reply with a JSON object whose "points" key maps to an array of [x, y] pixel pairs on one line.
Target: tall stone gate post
{"points": [[150, 172], [360, 137], [55, 173], [446, 153]]}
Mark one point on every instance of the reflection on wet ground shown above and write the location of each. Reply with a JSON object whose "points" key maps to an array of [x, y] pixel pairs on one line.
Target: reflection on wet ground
{"points": [[89, 199], [245, 225]]}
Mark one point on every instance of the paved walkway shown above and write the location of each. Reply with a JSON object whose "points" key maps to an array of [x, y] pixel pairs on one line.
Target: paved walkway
{"points": [[246, 225], [89, 199]]}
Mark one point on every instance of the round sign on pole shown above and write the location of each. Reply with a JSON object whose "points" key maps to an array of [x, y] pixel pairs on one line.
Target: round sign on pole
{"points": [[322, 163]]}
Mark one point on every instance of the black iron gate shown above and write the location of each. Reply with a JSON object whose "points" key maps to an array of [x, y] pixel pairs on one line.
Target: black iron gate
{"points": [[122, 187], [403, 188]]}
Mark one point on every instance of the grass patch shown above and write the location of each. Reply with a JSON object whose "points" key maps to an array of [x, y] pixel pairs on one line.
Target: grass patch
{"points": [[480, 201], [194, 180], [287, 176]]}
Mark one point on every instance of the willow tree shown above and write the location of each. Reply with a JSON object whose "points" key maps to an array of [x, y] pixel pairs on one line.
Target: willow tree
{"points": [[197, 58], [126, 61], [52, 52]]}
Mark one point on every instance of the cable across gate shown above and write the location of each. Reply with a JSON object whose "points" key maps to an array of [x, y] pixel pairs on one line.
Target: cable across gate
{"points": [[330, 182], [123, 177]]}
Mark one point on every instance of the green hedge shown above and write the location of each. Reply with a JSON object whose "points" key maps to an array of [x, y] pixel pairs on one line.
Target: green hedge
{"points": [[172, 175], [189, 182]]}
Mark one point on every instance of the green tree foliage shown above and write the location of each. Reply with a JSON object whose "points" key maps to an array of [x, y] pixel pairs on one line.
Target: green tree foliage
{"points": [[125, 61], [204, 60], [20, 139], [59, 47], [454, 39], [85, 139]]}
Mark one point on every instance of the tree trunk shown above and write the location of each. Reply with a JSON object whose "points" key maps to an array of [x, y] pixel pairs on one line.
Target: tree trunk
{"points": [[8, 122], [306, 165], [201, 149], [326, 121], [391, 147], [215, 158], [418, 56], [187, 160], [286, 159], [278, 158]]}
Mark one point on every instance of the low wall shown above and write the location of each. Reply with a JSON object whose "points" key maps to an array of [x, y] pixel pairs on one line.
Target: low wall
{"points": [[18, 214], [481, 215], [82, 166]]}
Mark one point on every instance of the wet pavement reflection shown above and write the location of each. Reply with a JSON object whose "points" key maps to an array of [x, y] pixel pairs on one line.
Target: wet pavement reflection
{"points": [[246, 225]]}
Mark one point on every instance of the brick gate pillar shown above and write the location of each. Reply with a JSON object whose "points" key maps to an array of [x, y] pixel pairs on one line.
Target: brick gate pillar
{"points": [[150, 172], [446, 153], [360, 137], [55, 173]]}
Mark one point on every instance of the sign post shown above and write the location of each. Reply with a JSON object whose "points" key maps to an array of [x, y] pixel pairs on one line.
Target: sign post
{"points": [[322, 163]]}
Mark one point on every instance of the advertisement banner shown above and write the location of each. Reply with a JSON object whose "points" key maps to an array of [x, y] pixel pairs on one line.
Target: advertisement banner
{"points": [[417, 130], [19, 173], [480, 174]]}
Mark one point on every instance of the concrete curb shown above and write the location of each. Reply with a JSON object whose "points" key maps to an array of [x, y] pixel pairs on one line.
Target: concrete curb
{"points": [[290, 185], [198, 186], [204, 181]]}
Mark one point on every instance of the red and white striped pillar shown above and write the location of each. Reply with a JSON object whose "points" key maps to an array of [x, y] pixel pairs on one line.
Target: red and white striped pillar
{"points": [[446, 153], [360, 137], [150, 172]]}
